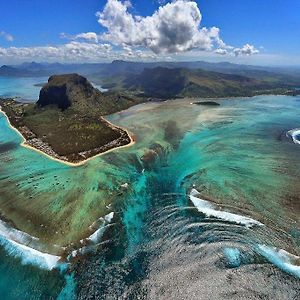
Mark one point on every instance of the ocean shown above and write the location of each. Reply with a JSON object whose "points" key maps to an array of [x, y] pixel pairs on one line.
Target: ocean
{"points": [[205, 205]]}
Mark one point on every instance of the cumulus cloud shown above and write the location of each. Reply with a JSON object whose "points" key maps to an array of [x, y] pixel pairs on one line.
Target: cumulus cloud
{"points": [[6, 36], [67, 52], [86, 36], [174, 27], [221, 51], [74, 52], [245, 50]]}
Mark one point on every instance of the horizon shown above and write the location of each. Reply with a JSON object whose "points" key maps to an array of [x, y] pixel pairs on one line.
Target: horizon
{"points": [[214, 31], [151, 62]]}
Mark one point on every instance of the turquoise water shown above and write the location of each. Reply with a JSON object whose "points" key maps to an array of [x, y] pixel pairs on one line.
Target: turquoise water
{"points": [[24, 88], [159, 245]]}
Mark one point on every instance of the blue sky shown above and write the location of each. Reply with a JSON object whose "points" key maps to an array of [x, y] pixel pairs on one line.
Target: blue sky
{"points": [[271, 27]]}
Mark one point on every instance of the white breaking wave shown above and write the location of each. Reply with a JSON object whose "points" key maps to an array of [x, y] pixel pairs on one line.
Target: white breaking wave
{"points": [[109, 217], [20, 244], [293, 134], [14, 234], [94, 238], [212, 210], [282, 259], [29, 255]]}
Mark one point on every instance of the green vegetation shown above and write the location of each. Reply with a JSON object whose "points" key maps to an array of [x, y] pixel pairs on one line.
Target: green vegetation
{"points": [[66, 122], [167, 83]]}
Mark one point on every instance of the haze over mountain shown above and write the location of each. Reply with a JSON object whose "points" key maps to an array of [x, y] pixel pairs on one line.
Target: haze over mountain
{"points": [[118, 67], [172, 79]]}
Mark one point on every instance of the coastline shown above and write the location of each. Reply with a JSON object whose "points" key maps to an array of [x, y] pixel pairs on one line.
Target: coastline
{"points": [[70, 164], [130, 135]]}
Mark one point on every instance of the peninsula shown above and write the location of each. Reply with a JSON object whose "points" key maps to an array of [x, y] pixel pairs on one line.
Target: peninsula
{"points": [[66, 123]]}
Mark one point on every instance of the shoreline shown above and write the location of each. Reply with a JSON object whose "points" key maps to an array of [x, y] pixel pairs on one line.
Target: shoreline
{"points": [[70, 164], [132, 140]]}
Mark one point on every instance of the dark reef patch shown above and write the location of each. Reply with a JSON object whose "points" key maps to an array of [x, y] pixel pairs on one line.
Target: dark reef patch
{"points": [[5, 147], [208, 103]]}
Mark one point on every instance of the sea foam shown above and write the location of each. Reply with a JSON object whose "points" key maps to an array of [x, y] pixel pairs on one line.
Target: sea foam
{"points": [[211, 210], [30, 256], [282, 259], [26, 247], [293, 134], [96, 236], [93, 240], [16, 235]]}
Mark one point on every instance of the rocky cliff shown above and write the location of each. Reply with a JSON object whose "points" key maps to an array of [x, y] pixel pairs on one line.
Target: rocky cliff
{"points": [[69, 90]]}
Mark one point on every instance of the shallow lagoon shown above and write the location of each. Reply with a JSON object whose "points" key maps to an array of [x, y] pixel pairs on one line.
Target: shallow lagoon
{"points": [[237, 156], [25, 88]]}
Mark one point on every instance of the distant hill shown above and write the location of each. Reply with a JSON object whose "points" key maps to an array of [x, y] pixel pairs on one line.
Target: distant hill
{"points": [[99, 71], [172, 79], [165, 83], [12, 71]]}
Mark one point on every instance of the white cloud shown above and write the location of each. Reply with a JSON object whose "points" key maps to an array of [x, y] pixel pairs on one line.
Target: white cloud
{"points": [[174, 27], [221, 51], [88, 36], [245, 50], [72, 51], [6, 36], [172, 31], [85, 36]]}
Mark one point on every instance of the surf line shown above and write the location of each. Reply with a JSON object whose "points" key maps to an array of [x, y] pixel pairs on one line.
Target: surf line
{"points": [[294, 133], [282, 259], [16, 243], [211, 210]]}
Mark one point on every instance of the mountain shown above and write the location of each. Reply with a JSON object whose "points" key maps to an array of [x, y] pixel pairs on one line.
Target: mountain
{"points": [[172, 79], [100, 71], [77, 93], [12, 71], [68, 90], [179, 82]]}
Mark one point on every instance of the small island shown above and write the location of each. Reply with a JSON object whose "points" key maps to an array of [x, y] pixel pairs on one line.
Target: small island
{"points": [[208, 103], [67, 123]]}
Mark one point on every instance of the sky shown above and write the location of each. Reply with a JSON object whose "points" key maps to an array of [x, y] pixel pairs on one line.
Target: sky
{"points": [[264, 32]]}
